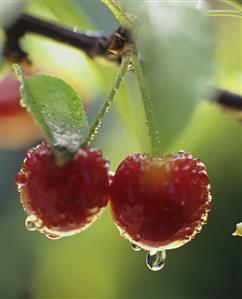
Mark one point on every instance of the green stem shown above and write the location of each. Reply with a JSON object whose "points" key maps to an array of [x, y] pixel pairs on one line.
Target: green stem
{"points": [[235, 3], [149, 111], [120, 15], [225, 13], [109, 100], [154, 133]]}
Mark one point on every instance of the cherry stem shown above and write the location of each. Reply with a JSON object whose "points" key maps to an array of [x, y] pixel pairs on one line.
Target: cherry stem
{"points": [[109, 99], [149, 111], [154, 133], [225, 13], [118, 12]]}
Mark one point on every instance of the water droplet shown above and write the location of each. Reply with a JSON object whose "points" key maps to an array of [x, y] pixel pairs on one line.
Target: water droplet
{"points": [[78, 114], [130, 66], [155, 260], [111, 173], [135, 247], [32, 223], [22, 104], [110, 176], [53, 236]]}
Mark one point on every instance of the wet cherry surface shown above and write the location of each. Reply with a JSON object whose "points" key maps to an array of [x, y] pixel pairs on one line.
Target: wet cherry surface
{"points": [[64, 198], [160, 202]]}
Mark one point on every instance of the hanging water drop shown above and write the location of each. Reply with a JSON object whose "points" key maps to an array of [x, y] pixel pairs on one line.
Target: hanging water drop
{"points": [[135, 247], [53, 236], [32, 223], [155, 260]]}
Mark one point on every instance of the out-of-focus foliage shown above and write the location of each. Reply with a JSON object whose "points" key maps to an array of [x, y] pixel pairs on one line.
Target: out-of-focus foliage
{"points": [[10, 10], [99, 263], [176, 43], [2, 40]]}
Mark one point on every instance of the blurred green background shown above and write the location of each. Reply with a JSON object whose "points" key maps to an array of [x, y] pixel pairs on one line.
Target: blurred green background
{"points": [[98, 263]]}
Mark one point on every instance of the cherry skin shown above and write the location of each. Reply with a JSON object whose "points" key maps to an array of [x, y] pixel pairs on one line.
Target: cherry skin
{"points": [[65, 199], [160, 203]]}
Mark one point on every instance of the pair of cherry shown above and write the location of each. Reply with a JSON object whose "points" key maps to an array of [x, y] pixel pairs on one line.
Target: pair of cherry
{"points": [[156, 203]]}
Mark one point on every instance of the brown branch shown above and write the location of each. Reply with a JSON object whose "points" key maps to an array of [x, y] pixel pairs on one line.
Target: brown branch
{"points": [[230, 102], [92, 44]]}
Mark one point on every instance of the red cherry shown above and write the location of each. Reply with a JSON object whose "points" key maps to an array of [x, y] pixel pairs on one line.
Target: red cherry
{"points": [[63, 199], [19, 128], [9, 96], [160, 202]]}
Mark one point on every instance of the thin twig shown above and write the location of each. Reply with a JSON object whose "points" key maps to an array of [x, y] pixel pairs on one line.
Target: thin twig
{"points": [[120, 15], [229, 102], [228, 99], [109, 100]]}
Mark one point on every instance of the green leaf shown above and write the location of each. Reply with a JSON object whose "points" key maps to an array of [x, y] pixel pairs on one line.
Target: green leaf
{"points": [[176, 43], [57, 109], [66, 13], [69, 12]]}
